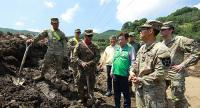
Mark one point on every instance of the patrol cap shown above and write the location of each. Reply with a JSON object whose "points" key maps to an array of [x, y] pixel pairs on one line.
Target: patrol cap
{"points": [[152, 24], [54, 20], [77, 31], [167, 25], [88, 32], [132, 34]]}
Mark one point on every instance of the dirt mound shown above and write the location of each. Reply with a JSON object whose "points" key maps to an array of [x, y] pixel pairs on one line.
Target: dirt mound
{"points": [[54, 92]]}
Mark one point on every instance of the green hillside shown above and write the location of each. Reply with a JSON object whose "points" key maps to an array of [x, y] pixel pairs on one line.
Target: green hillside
{"points": [[102, 39], [13, 31], [187, 22], [106, 34]]}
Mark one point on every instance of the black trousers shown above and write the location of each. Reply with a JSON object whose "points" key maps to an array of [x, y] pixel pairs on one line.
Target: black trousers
{"points": [[109, 78], [121, 86]]}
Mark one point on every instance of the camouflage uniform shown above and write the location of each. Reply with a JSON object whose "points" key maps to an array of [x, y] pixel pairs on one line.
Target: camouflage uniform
{"points": [[178, 46], [91, 57], [72, 65], [56, 48], [150, 67], [135, 45]]}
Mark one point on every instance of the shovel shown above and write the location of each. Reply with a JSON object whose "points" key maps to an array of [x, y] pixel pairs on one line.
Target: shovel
{"points": [[20, 80], [90, 100]]}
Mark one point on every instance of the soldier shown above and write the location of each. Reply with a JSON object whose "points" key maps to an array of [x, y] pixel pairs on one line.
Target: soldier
{"points": [[149, 69], [124, 56], [178, 46], [73, 42], [107, 60], [86, 55], [133, 42], [136, 46], [56, 47]]}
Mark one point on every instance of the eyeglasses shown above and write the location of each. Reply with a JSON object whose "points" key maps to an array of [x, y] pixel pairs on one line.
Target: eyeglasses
{"points": [[78, 32], [143, 28]]}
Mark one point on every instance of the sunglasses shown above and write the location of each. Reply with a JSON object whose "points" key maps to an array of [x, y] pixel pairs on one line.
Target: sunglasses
{"points": [[90, 36], [164, 29], [143, 28]]}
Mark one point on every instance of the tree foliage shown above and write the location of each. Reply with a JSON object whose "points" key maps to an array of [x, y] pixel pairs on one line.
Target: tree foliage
{"points": [[186, 21]]}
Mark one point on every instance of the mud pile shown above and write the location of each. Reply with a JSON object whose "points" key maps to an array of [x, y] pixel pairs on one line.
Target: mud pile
{"points": [[51, 92]]}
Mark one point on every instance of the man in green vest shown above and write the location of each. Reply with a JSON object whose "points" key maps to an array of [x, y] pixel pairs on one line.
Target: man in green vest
{"points": [[56, 47], [123, 58]]}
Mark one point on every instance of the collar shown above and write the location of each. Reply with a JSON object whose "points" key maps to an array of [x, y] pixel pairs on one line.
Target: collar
{"points": [[54, 30], [170, 41], [148, 48]]}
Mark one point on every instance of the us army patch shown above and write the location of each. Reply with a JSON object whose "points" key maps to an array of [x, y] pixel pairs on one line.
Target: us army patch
{"points": [[166, 61]]}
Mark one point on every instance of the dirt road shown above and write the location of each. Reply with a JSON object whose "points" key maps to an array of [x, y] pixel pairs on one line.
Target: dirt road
{"points": [[193, 91]]}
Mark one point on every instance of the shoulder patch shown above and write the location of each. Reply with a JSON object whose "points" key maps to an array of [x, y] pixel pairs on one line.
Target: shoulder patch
{"points": [[164, 55], [166, 61]]}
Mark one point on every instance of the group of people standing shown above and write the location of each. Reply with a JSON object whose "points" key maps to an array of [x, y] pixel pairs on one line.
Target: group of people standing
{"points": [[155, 66], [151, 68]]}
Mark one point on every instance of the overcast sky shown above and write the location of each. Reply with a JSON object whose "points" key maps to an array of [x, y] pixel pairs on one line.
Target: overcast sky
{"points": [[100, 15]]}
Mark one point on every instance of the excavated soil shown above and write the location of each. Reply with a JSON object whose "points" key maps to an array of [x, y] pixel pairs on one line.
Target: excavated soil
{"points": [[51, 92]]}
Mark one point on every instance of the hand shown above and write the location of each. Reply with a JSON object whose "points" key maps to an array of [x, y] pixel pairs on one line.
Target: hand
{"points": [[135, 80], [100, 66], [111, 75], [29, 41], [83, 64], [177, 68], [131, 76]]}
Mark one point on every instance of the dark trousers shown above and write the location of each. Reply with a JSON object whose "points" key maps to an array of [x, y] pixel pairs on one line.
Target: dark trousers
{"points": [[109, 78], [120, 84]]}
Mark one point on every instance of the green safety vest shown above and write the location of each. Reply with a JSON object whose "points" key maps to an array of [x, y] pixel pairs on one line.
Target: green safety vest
{"points": [[55, 34], [121, 61]]}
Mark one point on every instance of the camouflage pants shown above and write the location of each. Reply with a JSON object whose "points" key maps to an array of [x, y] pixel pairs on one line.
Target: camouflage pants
{"points": [[49, 59], [178, 90], [74, 70], [154, 96], [139, 97], [82, 83]]}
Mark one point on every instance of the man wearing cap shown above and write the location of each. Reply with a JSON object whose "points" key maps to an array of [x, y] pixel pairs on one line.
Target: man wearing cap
{"points": [[56, 47], [73, 42], [178, 46], [86, 55], [147, 73], [132, 41]]}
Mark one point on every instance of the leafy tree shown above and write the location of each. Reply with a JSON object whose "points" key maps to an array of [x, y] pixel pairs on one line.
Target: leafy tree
{"points": [[9, 33], [1, 33]]}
